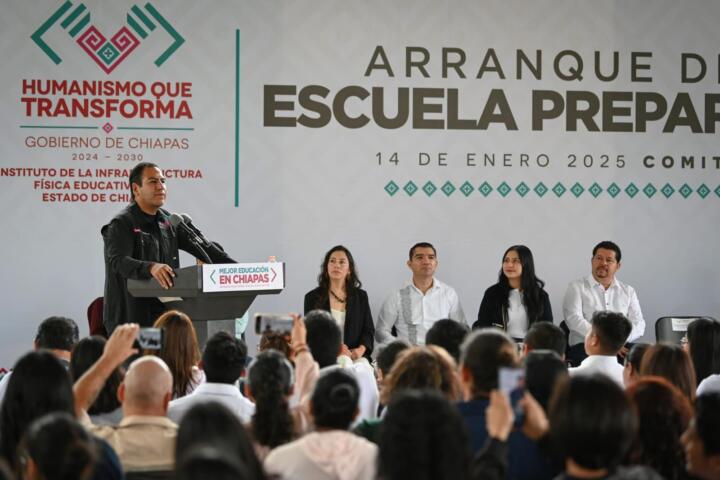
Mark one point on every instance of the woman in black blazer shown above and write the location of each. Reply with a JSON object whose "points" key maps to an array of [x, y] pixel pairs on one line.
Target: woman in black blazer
{"points": [[518, 299], [339, 293]]}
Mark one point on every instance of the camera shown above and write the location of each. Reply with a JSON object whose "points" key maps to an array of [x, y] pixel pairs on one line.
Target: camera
{"points": [[281, 323]]}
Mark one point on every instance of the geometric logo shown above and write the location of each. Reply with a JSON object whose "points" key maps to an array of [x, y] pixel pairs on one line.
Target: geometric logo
{"points": [[107, 53]]}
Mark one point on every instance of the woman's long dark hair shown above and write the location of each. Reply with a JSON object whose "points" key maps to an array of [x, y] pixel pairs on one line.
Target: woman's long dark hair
{"points": [[212, 424], [530, 285], [39, 385], [60, 447], [673, 364], [351, 283], [704, 342], [423, 437], [86, 352], [664, 413], [270, 379]]}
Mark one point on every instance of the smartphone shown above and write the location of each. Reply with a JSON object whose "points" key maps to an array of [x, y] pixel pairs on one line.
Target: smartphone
{"points": [[512, 382], [281, 323], [151, 338]]}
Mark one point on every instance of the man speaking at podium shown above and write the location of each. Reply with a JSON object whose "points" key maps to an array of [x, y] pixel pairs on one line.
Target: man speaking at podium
{"points": [[142, 242]]}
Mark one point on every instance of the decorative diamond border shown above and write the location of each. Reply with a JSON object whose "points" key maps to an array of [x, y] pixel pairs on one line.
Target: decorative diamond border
{"points": [[504, 189]]}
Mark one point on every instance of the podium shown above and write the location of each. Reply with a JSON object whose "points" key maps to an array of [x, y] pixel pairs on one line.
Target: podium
{"points": [[213, 294]]}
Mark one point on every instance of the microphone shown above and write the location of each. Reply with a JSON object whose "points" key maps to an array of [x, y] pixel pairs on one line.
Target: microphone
{"points": [[198, 234], [177, 222], [211, 247]]}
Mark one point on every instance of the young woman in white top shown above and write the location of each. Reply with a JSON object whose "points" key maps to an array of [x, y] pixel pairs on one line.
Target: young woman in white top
{"points": [[518, 299]]}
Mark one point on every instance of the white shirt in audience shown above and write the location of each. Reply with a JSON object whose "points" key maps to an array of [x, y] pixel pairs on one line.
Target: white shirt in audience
{"points": [[585, 296], [198, 378], [365, 376], [710, 384], [227, 394], [600, 364], [412, 313], [328, 455]]}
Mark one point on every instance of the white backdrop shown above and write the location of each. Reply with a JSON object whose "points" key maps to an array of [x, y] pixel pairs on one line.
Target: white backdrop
{"points": [[301, 190]]}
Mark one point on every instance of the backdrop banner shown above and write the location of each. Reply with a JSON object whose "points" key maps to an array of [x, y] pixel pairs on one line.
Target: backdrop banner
{"points": [[285, 128]]}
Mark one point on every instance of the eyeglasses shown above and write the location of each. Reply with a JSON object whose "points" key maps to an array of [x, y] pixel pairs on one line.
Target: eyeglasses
{"points": [[599, 259]]}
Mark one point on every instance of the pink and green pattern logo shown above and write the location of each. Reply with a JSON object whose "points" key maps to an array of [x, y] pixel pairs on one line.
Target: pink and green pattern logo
{"points": [[106, 52]]}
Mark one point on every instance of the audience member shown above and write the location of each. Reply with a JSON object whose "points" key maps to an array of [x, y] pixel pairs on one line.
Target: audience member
{"points": [[593, 427], [5, 473], [423, 438], [484, 352], [423, 368], [664, 414], [599, 291], [603, 343], [203, 462], [385, 360], [210, 424], [180, 351], [57, 447], [41, 386], [703, 345], [543, 368], [269, 384], [701, 440], [324, 344], [339, 293], [672, 363], [223, 362], [448, 334], [417, 368], [145, 438], [491, 463], [518, 300], [57, 335], [331, 452], [106, 409], [545, 336], [413, 309], [633, 360], [279, 341]]}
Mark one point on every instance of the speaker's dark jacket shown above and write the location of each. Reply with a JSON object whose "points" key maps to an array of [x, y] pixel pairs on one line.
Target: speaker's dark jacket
{"points": [[134, 240]]}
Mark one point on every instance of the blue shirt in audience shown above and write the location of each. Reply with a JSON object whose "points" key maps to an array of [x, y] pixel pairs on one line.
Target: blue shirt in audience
{"points": [[525, 461]]}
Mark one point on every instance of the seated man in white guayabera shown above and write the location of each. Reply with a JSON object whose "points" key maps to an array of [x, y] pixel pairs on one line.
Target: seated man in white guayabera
{"points": [[413, 309]]}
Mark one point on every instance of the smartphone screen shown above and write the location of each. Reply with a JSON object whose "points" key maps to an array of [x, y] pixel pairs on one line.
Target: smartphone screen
{"points": [[274, 322], [512, 382], [150, 338]]}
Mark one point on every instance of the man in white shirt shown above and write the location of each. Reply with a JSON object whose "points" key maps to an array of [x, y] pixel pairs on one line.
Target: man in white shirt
{"points": [[600, 291], [414, 308], [223, 362], [607, 336]]}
